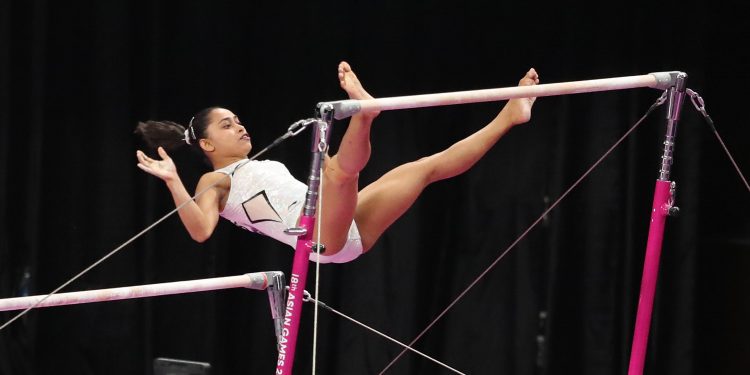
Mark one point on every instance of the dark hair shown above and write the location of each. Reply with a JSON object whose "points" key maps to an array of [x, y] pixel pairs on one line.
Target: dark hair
{"points": [[171, 135]]}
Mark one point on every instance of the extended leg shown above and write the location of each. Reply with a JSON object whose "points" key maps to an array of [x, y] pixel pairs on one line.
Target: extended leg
{"points": [[386, 199], [341, 172]]}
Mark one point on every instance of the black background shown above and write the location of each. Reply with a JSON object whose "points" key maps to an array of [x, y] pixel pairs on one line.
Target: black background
{"points": [[75, 77]]}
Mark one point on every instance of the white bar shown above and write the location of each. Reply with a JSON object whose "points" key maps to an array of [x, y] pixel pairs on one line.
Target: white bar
{"points": [[346, 108], [258, 280]]}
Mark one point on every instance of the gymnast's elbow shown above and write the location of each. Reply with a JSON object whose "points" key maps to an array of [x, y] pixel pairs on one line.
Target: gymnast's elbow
{"points": [[200, 236]]}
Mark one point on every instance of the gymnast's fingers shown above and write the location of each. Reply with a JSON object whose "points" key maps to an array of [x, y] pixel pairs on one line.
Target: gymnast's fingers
{"points": [[145, 168], [142, 158], [162, 153]]}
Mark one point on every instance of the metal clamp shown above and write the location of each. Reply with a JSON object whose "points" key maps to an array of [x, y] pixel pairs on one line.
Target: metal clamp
{"points": [[698, 102], [299, 126], [307, 297], [296, 231], [672, 210], [700, 105], [662, 99], [322, 144]]}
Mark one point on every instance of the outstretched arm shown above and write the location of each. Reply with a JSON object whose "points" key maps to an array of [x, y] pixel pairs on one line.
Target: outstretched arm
{"points": [[200, 217]]}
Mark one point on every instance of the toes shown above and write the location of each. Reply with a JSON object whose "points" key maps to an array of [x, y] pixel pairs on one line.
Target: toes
{"points": [[532, 76], [343, 70], [529, 79]]}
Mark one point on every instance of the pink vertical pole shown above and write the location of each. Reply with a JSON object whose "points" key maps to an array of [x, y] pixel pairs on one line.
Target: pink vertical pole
{"points": [[305, 244], [662, 206], [294, 302], [659, 212]]}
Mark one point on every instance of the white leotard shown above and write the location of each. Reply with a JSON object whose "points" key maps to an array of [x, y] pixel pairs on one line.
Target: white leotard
{"points": [[265, 198]]}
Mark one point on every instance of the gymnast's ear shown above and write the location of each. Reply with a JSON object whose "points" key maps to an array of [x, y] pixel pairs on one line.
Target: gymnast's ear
{"points": [[206, 145]]}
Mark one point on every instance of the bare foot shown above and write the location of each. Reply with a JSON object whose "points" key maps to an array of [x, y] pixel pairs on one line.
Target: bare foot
{"points": [[519, 110], [349, 82]]}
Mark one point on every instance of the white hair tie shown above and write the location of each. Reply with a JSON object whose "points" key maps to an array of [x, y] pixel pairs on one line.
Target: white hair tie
{"points": [[189, 132]]}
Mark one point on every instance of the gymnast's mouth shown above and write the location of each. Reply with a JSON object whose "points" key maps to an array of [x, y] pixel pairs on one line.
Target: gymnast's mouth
{"points": [[245, 137]]}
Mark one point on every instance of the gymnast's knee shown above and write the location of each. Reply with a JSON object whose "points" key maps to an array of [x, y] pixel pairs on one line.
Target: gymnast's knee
{"points": [[338, 176]]}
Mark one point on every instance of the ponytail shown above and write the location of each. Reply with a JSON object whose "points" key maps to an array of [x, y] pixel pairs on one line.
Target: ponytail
{"points": [[167, 134], [172, 135]]}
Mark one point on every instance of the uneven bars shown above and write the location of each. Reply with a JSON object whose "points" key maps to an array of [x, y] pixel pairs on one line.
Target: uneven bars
{"points": [[347, 108], [257, 280]]}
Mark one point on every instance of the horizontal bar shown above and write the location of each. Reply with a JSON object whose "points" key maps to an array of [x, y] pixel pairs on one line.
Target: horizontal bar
{"points": [[347, 108], [257, 280]]}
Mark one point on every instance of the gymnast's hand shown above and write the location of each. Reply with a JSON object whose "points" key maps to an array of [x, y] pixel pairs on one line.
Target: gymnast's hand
{"points": [[164, 169]]}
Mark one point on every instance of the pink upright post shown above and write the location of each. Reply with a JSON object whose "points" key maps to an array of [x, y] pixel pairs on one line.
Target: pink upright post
{"points": [[297, 281], [663, 205], [660, 210], [305, 245]]}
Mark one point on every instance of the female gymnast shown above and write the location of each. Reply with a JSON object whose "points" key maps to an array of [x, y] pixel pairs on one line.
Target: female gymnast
{"points": [[262, 196]]}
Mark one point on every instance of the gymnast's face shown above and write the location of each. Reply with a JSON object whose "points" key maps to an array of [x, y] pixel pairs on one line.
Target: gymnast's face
{"points": [[226, 136]]}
